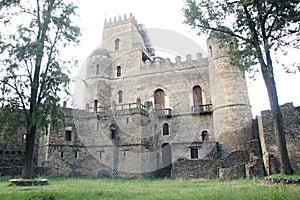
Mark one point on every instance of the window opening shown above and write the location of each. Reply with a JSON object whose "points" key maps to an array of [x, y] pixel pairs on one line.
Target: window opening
{"points": [[194, 153], [68, 135], [117, 44], [113, 132], [166, 129], [97, 69], [119, 71], [159, 99], [197, 96], [204, 136], [120, 96], [95, 105]]}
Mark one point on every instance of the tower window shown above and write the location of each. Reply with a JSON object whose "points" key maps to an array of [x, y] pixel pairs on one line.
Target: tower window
{"points": [[97, 69], [204, 136], [120, 96], [166, 129], [68, 135], [113, 132], [194, 153], [95, 105], [117, 43], [119, 71]]}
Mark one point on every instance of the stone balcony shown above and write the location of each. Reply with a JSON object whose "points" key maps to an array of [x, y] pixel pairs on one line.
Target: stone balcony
{"points": [[202, 109]]}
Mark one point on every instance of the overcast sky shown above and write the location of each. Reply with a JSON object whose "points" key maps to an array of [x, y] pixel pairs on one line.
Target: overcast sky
{"points": [[167, 14]]}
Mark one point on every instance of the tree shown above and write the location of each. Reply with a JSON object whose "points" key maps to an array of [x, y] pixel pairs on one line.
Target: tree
{"points": [[32, 75], [261, 27]]}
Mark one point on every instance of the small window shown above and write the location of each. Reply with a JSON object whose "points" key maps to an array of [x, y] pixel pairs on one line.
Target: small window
{"points": [[113, 132], [119, 71], [194, 153], [120, 96], [95, 105], [166, 129], [61, 154], [204, 136], [76, 154], [117, 44], [68, 135], [97, 69]]}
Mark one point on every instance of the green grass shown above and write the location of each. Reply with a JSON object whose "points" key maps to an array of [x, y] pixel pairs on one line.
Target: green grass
{"points": [[116, 188]]}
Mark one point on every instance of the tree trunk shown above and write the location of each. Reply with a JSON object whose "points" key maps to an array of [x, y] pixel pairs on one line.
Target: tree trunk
{"points": [[285, 166], [27, 170]]}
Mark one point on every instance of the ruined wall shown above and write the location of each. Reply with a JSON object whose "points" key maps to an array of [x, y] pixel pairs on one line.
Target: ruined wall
{"points": [[291, 123], [205, 168]]}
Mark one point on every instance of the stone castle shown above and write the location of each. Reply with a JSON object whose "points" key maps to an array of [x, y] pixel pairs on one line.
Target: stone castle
{"points": [[148, 116]]}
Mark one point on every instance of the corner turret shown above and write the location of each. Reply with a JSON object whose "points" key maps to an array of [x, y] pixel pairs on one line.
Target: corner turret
{"points": [[232, 116]]}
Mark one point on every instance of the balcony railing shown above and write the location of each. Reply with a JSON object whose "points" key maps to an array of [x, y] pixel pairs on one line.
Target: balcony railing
{"points": [[202, 109], [163, 112]]}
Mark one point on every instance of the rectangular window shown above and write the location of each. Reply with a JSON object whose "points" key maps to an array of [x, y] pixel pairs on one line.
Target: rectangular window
{"points": [[194, 153], [113, 134], [68, 135]]}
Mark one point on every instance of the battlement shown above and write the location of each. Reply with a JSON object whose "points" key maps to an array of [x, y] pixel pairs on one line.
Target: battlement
{"points": [[113, 22], [166, 63]]}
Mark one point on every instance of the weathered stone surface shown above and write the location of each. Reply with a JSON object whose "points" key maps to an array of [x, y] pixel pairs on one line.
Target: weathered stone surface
{"points": [[291, 122], [276, 180]]}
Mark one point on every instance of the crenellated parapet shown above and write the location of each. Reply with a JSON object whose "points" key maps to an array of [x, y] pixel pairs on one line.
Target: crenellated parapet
{"points": [[118, 21], [188, 62]]}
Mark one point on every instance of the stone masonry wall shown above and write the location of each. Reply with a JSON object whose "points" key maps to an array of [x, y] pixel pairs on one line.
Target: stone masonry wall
{"points": [[291, 122]]}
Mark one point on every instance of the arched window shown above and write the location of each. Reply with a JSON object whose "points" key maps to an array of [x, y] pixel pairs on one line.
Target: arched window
{"points": [[166, 129], [204, 136], [159, 99], [113, 132], [120, 96], [119, 71], [97, 69], [197, 96], [117, 44], [95, 105]]}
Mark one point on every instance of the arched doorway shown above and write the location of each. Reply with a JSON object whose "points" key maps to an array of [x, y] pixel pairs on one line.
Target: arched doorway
{"points": [[166, 154], [197, 96], [159, 99]]}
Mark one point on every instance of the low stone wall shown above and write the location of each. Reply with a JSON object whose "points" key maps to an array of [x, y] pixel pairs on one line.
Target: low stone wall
{"points": [[232, 172], [205, 168], [16, 171], [282, 180]]}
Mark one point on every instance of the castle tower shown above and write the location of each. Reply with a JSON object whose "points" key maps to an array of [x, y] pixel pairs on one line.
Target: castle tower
{"points": [[97, 85], [232, 116]]}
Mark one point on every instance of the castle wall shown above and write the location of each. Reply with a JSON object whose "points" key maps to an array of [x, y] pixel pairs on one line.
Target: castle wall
{"points": [[291, 123]]}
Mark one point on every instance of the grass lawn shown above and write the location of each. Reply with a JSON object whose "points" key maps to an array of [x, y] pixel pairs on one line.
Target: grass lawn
{"points": [[116, 188]]}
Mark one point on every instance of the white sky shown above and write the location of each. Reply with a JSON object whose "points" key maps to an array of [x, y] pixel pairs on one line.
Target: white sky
{"points": [[167, 14]]}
